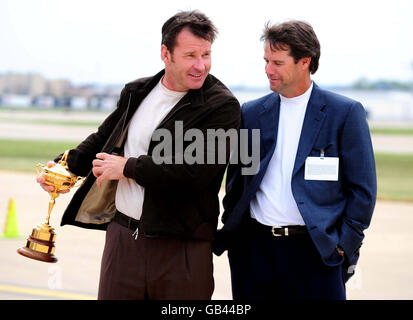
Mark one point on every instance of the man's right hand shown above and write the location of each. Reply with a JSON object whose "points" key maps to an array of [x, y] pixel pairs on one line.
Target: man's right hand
{"points": [[41, 180]]}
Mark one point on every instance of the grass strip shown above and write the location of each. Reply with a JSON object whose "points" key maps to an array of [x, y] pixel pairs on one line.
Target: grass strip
{"points": [[392, 131], [394, 176], [23, 155]]}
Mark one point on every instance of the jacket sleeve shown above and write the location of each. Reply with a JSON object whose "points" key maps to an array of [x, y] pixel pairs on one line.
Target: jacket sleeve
{"points": [[190, 177], [80, 159], [234, 181], [359, 178]]}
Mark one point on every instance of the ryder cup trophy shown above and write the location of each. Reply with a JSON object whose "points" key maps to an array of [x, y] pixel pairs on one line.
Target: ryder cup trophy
{"points": [[40, 244]]}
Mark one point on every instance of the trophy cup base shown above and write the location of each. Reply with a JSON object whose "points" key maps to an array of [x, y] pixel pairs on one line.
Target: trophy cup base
{"points": [[40, 244], [29, 253]]}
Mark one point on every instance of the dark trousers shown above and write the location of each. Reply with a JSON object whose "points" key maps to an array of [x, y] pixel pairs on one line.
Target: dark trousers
{"points": [[154, 268], [268, 267]]}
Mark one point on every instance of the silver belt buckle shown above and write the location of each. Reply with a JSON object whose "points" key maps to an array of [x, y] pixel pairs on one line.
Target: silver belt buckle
{"points": [[273, 231]]}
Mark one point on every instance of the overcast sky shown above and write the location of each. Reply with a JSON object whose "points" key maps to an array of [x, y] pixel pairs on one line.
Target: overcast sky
{"points": [[118, 41]]}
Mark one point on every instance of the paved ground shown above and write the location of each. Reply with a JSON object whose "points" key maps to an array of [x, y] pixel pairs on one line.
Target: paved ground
{"points": [[392, 144], [384, 271]]}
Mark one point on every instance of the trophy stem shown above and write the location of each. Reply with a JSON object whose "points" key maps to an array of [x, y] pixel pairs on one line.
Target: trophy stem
{"points": [[53, 196]]}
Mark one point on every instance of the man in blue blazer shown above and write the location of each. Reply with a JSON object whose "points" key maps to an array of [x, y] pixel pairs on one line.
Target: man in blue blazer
{"points": [[294, 229]]}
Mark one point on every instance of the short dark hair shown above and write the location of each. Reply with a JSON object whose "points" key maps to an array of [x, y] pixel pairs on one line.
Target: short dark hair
{"points": [[198, 23], [296, 35]]}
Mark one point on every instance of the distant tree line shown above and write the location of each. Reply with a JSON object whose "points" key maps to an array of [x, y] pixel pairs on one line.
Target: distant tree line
{"points": [[365, 84]]}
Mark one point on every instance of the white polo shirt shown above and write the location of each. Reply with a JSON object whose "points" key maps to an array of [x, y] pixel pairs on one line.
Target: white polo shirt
{"points": [[274, 204]]}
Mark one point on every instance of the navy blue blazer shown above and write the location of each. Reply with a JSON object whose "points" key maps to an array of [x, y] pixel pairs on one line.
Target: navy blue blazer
{"points": [[335, 212]]}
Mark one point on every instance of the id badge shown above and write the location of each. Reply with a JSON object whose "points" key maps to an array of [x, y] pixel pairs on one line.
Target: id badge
{"points": [[321, 168]]}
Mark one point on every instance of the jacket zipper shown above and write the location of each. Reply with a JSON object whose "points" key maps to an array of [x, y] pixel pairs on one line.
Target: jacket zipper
{"points": [[127, 111], [123, 127]]}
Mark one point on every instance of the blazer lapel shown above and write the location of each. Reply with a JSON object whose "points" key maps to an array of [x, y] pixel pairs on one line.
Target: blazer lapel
{"points": [[313, 120], [269, 117]]}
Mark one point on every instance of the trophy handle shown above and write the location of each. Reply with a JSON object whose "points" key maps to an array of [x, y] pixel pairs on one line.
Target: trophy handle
{"points": [[81, 179], [63, 160], [37, 167]]}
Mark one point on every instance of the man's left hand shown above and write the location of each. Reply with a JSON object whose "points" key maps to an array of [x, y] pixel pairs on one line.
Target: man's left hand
{"points": [[108, 167]]}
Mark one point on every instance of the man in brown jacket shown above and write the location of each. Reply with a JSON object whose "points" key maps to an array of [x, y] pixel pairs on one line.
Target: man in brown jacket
{"points": [[160, 216]]}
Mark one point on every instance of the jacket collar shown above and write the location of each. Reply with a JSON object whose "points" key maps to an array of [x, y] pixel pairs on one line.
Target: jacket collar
{"points": [[145, 85], [196, 97]]}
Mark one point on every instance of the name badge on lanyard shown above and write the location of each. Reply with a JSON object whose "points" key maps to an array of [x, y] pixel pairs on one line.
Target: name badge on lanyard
{"points": [[321, 168]]}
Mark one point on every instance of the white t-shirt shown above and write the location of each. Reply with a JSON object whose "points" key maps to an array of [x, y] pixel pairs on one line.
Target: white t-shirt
{"points": [[152, 110], [274, 204]]}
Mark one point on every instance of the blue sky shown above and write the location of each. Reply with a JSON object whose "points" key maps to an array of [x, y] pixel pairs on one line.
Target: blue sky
{"points": [[118, 41]]}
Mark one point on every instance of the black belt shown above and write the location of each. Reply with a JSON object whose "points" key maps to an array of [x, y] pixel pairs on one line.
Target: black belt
{"points": [[277, 231], [126, 221]]}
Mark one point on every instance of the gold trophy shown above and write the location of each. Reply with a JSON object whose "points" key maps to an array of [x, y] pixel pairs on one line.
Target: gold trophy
{"points": [[40, 244]]}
